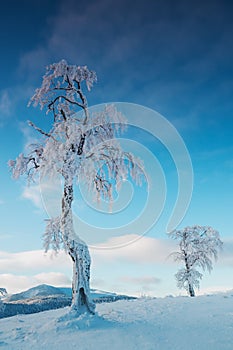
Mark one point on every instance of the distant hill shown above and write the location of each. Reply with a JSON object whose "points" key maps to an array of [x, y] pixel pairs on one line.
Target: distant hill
{"points": [[42, 290], [45, 290], [46, 297]]}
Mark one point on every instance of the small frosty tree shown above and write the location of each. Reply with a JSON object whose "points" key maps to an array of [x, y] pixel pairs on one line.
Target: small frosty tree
{"points": [[79, 147], [1, 307], [198, 246], [3, 293]]}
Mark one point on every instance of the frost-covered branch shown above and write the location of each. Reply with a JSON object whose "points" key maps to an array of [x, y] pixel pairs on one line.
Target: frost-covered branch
{"points": [[24, 165], [59, 98], [41, 131], [52, 235], [61, 89]]}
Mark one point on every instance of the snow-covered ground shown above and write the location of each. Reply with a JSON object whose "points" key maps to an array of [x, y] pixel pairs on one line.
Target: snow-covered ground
{"points": [[204, 322]]}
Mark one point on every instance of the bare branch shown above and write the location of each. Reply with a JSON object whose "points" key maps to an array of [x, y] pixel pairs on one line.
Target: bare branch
{"points": [[65, 98], [81, 145], [41, 131], [63, 114]]}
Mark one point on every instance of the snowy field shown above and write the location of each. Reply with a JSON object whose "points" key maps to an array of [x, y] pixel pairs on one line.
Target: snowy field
{"points": [[204, 322]]}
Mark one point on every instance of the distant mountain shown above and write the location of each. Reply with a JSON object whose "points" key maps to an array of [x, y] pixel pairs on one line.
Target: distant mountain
{"points": [[45, 297], [42, 290], [45, 290]]}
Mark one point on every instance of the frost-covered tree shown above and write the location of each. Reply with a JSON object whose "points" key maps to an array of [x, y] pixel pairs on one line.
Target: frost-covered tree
{"points": [[198, 246], [80, 147], [3, 292], [1, 307]]}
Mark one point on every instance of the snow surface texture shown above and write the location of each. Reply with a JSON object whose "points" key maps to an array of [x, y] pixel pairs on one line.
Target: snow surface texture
{"points": [[180, 323]]}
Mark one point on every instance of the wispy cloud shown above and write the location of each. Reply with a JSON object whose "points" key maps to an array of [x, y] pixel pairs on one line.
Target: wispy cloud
{"points": [[144, 250], [141, 250], [169, 58], [22, 270], [226, 255], [46, 195], [5, 106], [25, 269], [33, 261], [86, 43], [140, 285], [19, 271], [144, 280], [16, 283], [30, 137], [214, 290], [33, 194], [9, 99], [53, 278]]}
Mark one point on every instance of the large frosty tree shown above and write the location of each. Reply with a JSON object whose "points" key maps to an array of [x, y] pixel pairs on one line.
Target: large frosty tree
{"points": [[198, 246], [80, 147]]}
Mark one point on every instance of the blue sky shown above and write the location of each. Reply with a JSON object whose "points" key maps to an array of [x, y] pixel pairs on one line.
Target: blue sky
{"points": [[172, 57]]}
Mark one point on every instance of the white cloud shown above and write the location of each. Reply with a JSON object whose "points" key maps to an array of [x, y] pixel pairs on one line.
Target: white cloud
{"points": [[33, 261], [34, 195], [146, 250], [54, 278], [148, 256], [144, 280], [214, 290], [46, 195], [140, 285], [5, 106], [34, 61], [30, 136], [5, 103], [17, 283], [226, 255], [98, 282], [23, 270], [9, 99], [26, 269], [141, 250]]}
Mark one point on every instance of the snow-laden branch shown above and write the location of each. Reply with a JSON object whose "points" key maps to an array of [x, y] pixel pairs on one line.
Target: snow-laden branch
{"points": [[41, 131], [61, 89]]}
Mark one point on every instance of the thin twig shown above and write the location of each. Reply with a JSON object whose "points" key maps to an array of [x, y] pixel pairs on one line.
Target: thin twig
{"points": [[41, 131]]}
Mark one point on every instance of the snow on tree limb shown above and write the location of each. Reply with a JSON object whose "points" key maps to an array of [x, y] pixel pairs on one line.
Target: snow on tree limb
{"points": [[53, 236], [61, 89]]}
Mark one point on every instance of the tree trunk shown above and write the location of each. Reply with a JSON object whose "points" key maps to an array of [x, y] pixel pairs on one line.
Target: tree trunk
{"points": [[79, 253], [190, 286], [191, 290]]}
